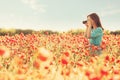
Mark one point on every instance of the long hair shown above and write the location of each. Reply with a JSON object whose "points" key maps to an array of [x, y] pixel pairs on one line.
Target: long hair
{"points": [[96, 19]]}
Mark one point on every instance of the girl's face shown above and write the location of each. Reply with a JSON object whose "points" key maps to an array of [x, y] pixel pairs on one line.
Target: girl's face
{"points": [[90, 21]]}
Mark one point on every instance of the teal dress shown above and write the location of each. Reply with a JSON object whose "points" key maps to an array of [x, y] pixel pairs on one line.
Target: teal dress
{"points": [[96, 39]]}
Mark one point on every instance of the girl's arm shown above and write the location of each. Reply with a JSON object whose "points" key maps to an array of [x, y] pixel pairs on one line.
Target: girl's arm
{"points": [[88, 32], [85, 34], [89, 29]]}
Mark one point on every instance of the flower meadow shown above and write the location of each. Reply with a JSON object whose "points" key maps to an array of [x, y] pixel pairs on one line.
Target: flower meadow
{"points": [[58, 57]]}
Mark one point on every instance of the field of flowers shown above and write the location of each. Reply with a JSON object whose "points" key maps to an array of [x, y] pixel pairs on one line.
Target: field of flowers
{"points": [[58, 57]]}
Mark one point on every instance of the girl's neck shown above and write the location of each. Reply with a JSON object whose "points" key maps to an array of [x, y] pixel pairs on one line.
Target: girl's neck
{"points": [[94, 26]]}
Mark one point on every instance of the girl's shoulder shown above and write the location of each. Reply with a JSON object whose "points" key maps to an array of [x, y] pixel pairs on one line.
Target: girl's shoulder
{"points": [[98, 29]]}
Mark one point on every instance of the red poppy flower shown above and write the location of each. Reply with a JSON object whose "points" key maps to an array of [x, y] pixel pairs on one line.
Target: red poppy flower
{"points": [[36, 64], [43, 54], [64, 61], [2, 52]]}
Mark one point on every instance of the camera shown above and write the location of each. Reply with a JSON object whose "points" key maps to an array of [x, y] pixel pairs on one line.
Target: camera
{"points": [[84, 22]]}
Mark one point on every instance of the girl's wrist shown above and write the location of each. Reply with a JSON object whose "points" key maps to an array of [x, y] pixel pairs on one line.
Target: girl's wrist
{"points": [[90, 26]]}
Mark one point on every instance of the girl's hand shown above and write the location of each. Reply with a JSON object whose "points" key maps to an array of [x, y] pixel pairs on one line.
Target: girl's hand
{"points": [[89, 23]]}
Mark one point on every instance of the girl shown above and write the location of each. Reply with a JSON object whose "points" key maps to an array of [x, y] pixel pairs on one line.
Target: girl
{"points": [[94, 32]]}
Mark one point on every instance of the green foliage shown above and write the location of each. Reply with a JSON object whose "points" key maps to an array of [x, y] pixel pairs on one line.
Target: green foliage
{"points": [[14, 31], [7, 31], [28, 31], [107, 32], [77, 31], [48, 32], [115, 32], [25, 32]]}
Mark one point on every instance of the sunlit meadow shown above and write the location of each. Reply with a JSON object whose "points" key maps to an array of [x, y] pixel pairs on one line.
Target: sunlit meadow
{"points": [[58, 57]]}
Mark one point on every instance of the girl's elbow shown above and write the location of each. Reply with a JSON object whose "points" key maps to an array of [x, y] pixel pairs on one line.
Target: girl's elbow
{"points": [[88, 37]]}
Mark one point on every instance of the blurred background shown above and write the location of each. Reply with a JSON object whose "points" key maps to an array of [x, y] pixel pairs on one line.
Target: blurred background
{"points": [[57, 15]]}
